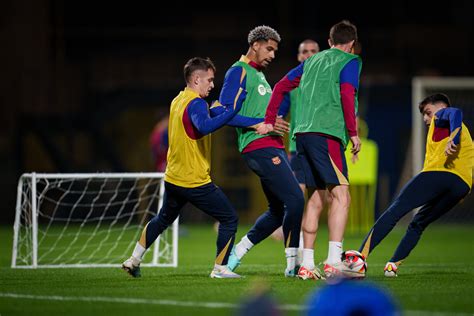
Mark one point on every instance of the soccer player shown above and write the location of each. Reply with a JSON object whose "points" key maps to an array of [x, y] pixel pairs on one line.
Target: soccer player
{"points": [[324, 124], [445, 180], [315, 203], [316, 199], [187, 176], [264, 154]]}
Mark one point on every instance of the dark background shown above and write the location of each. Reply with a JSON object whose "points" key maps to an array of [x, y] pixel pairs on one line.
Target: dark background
{"points": [[82, 82]]}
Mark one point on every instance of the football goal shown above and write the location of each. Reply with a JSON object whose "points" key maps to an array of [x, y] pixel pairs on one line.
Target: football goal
{"points": [[88, 220]]}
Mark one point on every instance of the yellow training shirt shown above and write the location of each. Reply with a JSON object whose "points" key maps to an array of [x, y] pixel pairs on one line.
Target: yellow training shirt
{"points": [[189, 153], [460, 164]]}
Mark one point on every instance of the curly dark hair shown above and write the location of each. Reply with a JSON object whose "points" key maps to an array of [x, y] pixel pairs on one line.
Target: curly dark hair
{"points": [[263, 33]]}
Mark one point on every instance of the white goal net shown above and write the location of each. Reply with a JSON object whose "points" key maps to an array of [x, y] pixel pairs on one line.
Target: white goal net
{"points": [[460, 91], [88, 220]]}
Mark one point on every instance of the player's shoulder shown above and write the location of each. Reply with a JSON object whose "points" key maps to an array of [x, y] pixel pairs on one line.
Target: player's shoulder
{"points": [[235, 75], [353, 64], [448, 111], [197, 102], [235, 70], [453, 109]]}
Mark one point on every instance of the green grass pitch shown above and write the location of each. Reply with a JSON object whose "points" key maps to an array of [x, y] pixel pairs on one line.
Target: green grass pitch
{"points": [[436, 278]]}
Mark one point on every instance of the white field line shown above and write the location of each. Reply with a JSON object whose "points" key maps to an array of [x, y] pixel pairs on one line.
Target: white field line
{"points": [[135, 301], [286, 307], [117, 300]]}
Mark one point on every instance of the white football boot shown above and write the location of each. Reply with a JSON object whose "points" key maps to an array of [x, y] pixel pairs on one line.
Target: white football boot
{"points": [[132, 267], [223, 273]]}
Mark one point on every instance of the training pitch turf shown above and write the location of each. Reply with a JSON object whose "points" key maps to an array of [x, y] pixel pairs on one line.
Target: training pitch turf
{"points": [[437, 278]]}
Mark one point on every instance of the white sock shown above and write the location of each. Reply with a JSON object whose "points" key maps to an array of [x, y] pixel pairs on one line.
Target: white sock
{"points": [[219, 267], [301, 246], [308, 259], [138, 252], [335, 252], [290, 258], [243, 247], [299, 257]]}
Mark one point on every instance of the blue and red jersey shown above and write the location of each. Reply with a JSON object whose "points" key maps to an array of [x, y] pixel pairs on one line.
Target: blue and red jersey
{"points": [[349, 84], [448, 122], [198, 122], [234, 80]]}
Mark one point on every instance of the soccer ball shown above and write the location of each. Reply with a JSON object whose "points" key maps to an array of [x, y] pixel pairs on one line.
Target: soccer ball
{"points": [[355, 264]]}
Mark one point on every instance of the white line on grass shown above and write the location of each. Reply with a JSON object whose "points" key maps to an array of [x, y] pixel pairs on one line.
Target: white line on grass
{"points": [[288, 307], [135, 301]]}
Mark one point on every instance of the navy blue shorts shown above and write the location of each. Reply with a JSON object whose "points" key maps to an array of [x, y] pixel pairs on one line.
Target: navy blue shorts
{"points": [[300, 167], [320, 161]]}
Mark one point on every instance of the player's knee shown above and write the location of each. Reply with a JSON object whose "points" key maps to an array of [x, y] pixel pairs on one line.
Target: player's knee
{"points": [[234, 220], [315, 204], [161, 221], [417, 226], [295, 204], [310, 228], [231, 221], [342, 198], [347, 200], [293, 198]]}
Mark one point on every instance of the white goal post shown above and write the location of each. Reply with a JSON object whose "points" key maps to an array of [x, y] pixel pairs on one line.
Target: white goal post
{"points": [[88, 220], [461, 93]]}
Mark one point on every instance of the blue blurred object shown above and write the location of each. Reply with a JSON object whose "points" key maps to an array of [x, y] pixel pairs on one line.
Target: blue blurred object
{"points": [[354, 298], [259, 301], [260, 305]]}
